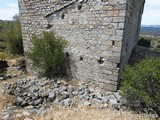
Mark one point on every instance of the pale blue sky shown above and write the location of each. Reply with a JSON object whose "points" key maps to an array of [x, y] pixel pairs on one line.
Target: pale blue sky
{"points": [[151, 15]]}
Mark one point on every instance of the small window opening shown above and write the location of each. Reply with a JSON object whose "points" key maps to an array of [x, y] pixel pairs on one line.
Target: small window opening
{"points": [[101, 60], [113, 43], [81, 58], [79, 7], [62, 16]]}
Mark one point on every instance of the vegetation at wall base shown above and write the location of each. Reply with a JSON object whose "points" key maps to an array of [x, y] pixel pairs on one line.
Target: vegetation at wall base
{"points": [[144, 42], [12, 36], [6, 56], [142, 83], [48, 55]]}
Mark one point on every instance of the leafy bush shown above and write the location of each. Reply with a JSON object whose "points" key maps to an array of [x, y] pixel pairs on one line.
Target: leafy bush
{"points": [[158, 46], [12, 36], [5, 56], [142, 83], [144, 42], [48, 55]]}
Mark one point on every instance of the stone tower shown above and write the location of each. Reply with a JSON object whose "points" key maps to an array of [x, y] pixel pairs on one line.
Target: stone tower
{"points": [[101, 34]]}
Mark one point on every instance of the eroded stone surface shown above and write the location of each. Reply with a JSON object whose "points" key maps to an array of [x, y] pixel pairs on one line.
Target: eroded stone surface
{"points": [[100, 33]]}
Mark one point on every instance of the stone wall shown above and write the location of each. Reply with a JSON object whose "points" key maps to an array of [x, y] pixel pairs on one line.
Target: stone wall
{"points": [[94, 29], [134, 13]]}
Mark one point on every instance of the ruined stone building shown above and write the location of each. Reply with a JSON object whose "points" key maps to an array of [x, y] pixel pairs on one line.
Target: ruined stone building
{"points": [[101, 33]]}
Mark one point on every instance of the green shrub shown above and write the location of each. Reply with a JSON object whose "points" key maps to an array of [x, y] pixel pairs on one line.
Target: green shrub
{"points": [[6, 56], [12, 36], [48, 55], [158, 46], [144, 42], [142, 83]]}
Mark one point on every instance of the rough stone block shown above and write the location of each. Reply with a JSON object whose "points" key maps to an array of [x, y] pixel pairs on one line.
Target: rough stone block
{"points": [[118, 19], [113, 13], [107, 8]]}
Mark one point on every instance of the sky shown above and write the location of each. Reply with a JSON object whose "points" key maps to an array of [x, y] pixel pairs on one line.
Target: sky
{"points": [[151, 15]]}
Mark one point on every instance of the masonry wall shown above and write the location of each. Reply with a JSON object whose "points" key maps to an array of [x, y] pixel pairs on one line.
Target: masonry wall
{"points": [[94, 30], [134, 11]]}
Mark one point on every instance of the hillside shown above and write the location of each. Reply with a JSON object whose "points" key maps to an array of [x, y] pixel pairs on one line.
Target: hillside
{"points": [[150, 30]]}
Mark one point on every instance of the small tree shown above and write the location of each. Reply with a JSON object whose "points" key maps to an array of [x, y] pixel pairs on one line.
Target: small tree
{"points": [[144, 42], [142, 83], [13, 37], [48, 55]]}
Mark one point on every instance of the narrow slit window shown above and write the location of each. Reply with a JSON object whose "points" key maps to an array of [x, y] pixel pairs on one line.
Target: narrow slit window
{"points": [[113, 43]]}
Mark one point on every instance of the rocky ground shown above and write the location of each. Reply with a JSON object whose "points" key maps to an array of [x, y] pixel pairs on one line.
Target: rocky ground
{"points": [[29, 98], [25, 97]]}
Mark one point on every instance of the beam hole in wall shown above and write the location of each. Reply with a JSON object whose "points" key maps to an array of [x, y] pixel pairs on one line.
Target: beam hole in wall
{"points": [[79, 7], [104, 0], [101, 60], [63, 15], [118, 65], [67, 54], [81, 58], [48, 26]]}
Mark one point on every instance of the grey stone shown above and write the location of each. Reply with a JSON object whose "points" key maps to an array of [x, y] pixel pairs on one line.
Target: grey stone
{"points": [[25, 94], [51, 96], [36, 94], [6, 116], [86, 103], [18, 115], [86, 96], [111, 96], [41, 83], [112, 101], [34, 111], [99, 96], [105, 99], [37, 102], [57, 101], [8, 76], [118, 96], [26, 113], [124, 101], [2, 78], [62, 97], [28, 119], [15, 75], [33, 89], [29, 107], [24, 103], [19, 99], [67, 102]]}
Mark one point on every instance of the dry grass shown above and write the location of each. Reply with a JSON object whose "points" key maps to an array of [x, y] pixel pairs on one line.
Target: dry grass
{"points": [[74, 113], [89, 114], [5, 99]]}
